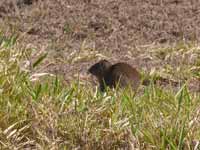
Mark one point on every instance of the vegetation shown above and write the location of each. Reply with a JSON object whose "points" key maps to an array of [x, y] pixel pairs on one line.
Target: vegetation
{"points": [[40, 110]]}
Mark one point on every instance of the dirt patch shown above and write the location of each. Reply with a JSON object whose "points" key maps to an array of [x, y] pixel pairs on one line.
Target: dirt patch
{"points": [[115, 25]]}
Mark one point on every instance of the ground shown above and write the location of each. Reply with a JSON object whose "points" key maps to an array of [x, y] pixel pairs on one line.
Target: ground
{"points": [[64, 37]]}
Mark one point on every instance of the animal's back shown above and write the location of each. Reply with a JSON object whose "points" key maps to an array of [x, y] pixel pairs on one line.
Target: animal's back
{"points": [[122, 74]]}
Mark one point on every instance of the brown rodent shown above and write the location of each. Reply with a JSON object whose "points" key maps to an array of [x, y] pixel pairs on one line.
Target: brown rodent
{"points": [[119, 74]]}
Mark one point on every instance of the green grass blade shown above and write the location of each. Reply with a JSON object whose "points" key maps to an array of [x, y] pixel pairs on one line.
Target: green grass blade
{"points": [[39, 60]]}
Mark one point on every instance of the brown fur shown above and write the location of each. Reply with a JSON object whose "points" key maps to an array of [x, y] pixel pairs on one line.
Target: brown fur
{"points": [[119, 74]]}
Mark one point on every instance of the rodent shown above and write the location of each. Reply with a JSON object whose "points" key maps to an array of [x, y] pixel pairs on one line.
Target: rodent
{"points": [[120, 74]]}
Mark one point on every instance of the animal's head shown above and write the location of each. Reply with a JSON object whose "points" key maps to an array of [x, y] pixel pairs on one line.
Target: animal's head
{"points": [[100, 68]]}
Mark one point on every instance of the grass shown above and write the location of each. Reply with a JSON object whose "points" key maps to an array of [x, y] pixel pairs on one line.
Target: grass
{"points": [[182, 59], [47, 113]]}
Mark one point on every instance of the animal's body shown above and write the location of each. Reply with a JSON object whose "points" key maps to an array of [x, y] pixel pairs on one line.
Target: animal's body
{"points": [[117, 75]]}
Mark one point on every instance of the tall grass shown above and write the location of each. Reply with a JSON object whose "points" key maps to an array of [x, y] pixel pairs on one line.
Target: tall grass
{"points": [[48, 113]]}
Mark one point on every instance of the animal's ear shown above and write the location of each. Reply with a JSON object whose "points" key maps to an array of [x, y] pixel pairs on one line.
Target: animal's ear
{"points": [[105, 64], [104, 60]]}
